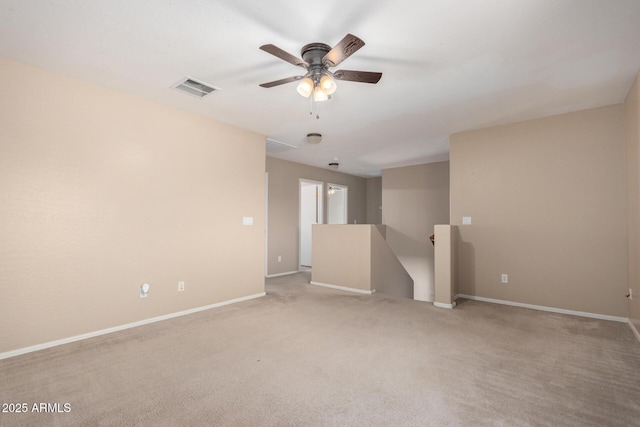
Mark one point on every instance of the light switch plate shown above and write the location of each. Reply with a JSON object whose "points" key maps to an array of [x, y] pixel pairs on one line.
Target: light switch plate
{"points": [[466, 220], [247, 220]]}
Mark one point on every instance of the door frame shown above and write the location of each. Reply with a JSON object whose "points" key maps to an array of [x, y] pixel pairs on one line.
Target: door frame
{"points": [[344, 188], [319, 210]]}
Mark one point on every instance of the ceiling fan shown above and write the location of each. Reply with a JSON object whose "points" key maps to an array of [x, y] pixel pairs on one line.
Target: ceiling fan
{"points": [[317, 58]]}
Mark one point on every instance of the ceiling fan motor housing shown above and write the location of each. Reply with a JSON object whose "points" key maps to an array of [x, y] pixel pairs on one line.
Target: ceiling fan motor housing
{"points": [[313, 54]]}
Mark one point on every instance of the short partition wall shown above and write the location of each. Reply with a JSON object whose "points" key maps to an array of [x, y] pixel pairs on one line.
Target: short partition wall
{"points": [[444, 265], [357, 258]]}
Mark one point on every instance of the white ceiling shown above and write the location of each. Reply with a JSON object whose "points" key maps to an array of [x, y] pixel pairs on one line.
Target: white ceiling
{"points": [[448, 65]]}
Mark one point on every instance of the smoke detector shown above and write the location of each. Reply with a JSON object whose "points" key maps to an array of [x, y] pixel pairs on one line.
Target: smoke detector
{"points": [[314, 138]]}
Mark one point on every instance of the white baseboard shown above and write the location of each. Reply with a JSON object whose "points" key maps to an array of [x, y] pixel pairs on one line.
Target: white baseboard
{"points": [[50, 344], [544, 308], [268, 276], [443, 305], [343, 288], [633, 328]]}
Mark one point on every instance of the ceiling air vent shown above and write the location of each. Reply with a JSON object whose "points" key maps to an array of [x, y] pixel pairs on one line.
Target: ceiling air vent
{"points": [[274, 146], [194, 87]]}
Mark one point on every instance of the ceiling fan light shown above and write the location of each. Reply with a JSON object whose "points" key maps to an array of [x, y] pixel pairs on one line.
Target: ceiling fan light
{"points": [[328, 84], [305, 87], [319, 94]]}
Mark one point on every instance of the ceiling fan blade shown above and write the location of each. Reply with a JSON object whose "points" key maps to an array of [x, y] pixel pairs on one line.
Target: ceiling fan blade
{"points": [[357, 76], [344, 49], [281, 81], [286, 56]]}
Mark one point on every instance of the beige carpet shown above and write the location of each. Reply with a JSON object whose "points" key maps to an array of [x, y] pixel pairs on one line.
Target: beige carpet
{"points": [[309, 356]]}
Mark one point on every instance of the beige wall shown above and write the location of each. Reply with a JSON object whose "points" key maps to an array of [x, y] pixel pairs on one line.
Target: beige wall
{"points": [[547, 200], [102, 191], [374, 200], [283, 234], [342, 256], [284, 210], [358, 257], [444, 259], [388, 275], [633, 198], [414, 199]]}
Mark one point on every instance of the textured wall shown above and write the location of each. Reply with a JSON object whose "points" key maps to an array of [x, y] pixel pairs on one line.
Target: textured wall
{"points": [[547, 199], [284, 207], [414, 199], [632, 107], [374, 200], [342, 255], [101, 191]]}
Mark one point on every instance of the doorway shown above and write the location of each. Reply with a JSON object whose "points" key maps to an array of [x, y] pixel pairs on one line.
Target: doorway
{"points": [[311, 209], [337, 201]]}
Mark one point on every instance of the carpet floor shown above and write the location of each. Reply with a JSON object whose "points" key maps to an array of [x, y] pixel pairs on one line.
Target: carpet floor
{"points": [[310, 356]]}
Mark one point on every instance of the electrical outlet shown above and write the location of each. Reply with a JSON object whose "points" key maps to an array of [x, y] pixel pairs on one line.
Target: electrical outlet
{"points": [[144, 290], [279, 258], [504, 278], [180, 286]]}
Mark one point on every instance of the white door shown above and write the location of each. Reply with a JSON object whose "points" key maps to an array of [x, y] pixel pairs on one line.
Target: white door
{"points": [[310, 213], [337, 204]]}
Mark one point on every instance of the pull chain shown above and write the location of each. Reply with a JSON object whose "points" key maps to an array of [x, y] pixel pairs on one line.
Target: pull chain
{"points": [[313, 104]]}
